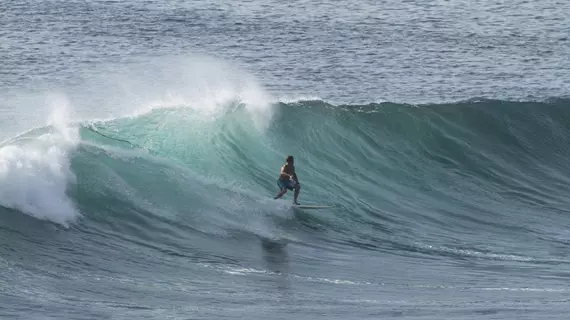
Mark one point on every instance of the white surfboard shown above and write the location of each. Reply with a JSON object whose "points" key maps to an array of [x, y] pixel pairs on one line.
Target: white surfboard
{"points": [[310, 206]]}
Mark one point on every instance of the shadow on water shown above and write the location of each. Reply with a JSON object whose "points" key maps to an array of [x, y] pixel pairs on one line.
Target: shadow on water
{"points": [[276, 261]]}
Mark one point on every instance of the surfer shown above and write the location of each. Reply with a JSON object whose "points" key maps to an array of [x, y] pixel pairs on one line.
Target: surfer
{"points": [[288, 180]]}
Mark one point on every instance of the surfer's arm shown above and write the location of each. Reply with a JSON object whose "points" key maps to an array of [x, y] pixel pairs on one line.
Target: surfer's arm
{"points": [[294, 175], [283, 172]]}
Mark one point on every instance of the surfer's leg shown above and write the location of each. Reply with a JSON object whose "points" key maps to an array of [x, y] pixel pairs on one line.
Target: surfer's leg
{"points": [[281, 193], [297, 190], [282, 187]]}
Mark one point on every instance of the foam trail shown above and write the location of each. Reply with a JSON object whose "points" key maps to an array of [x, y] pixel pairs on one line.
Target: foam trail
{"points": [[35, 173]]}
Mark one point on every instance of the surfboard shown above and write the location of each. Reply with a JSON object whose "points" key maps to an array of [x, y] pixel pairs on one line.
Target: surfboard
{"points": [[310, 206]]}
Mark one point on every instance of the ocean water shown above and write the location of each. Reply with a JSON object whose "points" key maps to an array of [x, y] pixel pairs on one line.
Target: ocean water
{"points": [[141, 142]]}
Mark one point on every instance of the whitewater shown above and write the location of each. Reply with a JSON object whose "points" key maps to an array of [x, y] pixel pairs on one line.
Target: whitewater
{"points": [[141, 144]]}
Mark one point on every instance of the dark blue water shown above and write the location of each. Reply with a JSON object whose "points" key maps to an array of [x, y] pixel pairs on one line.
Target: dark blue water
{"points": [[142, 141]]}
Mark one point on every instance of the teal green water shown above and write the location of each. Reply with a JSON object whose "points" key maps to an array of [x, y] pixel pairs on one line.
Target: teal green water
{"points": [[151, 210], [141, 141]]}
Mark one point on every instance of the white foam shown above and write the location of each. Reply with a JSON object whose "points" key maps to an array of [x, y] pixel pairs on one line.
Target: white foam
{"points": [[526, 289], [478, 254], [297, 99], [35, 173]]}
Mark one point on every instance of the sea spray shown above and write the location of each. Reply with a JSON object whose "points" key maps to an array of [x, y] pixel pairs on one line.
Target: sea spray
{"points": [[209, 87], [35, 173]]}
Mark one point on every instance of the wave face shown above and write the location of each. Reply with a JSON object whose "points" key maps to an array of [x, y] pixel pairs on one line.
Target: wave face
{"points": [[476, 188]]}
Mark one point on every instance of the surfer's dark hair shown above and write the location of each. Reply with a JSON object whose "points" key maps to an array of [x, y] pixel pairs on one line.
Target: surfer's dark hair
{"points": [[289, 159]]}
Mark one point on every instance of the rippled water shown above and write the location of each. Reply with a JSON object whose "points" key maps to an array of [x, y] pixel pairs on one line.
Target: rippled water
{"points": [[142, 140]]}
